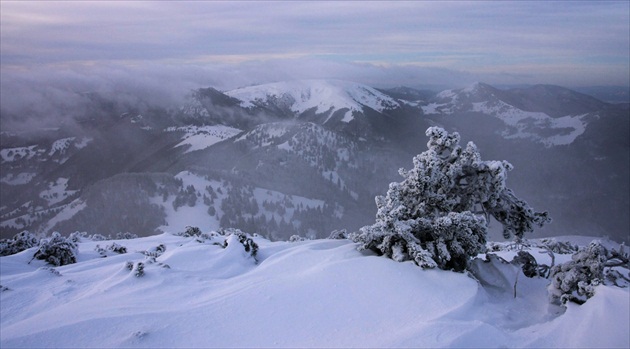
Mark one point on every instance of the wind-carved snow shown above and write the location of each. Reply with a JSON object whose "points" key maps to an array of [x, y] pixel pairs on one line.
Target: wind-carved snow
{"points": [[319, 293], [324, 96], [202, 137], [57, 191]]}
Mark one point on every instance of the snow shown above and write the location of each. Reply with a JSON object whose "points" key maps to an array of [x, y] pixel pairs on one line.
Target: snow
{"points": [[569, 127], [19, 179], [202, 137], [66, 213], [269, 133], [59, 146], [12, 154], [83, 142], [322, 95], [57, 191], [318, 293], [523, 124], [262, 195], [178, 220]]}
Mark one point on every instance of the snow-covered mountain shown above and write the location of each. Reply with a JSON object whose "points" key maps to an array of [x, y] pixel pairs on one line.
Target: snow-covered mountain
{"points": [[327, 97], [208, 291], [329, 142], [550, 115]]}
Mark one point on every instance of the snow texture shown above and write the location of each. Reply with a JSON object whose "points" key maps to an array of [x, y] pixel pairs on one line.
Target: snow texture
{"points": [[318, 293]]}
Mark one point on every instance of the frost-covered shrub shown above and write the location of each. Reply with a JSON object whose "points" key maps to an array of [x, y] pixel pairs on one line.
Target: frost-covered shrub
{"points": [[190, 231], [126, 236], [114, 247], [576, 279], [155, 251], [296, 238], [528, 264], [438, 215], [559, 247], [57, 250], [20, 242], [139, 269], [97, 237], [338, 234], [244, 239], [101, 251], [77, 236]]}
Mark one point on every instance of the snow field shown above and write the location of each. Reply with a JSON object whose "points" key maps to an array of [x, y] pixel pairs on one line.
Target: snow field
{"points": [[317, 293]]}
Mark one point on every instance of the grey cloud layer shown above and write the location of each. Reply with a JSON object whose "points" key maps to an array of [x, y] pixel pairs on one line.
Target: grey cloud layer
{"points": [[567, 43]]}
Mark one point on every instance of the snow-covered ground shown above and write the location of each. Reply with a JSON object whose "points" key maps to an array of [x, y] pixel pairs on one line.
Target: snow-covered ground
{"points": [[317, 293], [202, 137]]}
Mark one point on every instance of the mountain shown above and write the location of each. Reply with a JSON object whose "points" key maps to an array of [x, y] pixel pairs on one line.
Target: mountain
{"points": [[208, 291], [306, 157], [321, 97]]}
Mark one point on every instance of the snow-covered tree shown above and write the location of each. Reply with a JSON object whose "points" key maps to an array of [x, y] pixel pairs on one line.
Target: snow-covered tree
{"points": [[18, 243], [57, 250], [438, 215]]}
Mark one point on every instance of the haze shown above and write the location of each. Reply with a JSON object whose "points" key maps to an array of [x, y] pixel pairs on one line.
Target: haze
{"points": [[230, 44]]}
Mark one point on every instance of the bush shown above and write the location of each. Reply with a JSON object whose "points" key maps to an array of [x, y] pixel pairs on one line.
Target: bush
{"points": [[97, 237], [114, 247], [575, 280], [77, 236], [155, 252], [20, 242], [244, 239], [57, 250], [190, 231], [338, 234], [593, 265], [438, 215], [126, 236]]}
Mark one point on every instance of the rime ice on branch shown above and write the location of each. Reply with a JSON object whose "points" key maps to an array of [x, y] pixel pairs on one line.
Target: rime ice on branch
{"points": [[438, 215]]}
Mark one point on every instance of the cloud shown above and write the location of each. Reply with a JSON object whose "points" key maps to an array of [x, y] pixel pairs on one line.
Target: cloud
{"points": [[158, 51], [468, 36]]}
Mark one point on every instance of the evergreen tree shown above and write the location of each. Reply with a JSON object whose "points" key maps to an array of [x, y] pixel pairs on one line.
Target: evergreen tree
{"points": [[438, 215]]}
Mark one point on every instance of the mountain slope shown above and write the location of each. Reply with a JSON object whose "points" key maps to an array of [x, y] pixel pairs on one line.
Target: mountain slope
{"points": [[329, 142]]}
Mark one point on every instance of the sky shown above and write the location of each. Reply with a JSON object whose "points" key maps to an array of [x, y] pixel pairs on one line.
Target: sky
{"points": [[236, 43]]}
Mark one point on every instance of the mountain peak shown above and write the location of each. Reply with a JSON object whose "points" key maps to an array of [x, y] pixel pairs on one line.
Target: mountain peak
{"points": [[320, 95]]}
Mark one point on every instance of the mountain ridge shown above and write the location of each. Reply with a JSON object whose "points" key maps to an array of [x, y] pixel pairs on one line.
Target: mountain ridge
{"points": [[214, 136]]}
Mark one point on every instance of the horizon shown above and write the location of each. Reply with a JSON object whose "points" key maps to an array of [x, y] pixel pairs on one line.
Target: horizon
{"points": [[381, 44]]}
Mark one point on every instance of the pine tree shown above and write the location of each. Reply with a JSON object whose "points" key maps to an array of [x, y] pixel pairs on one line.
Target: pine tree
{"points": [[438, 215]]}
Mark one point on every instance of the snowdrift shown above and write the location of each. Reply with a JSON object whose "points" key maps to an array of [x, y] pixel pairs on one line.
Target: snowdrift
{"points": [[314, 293]]}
